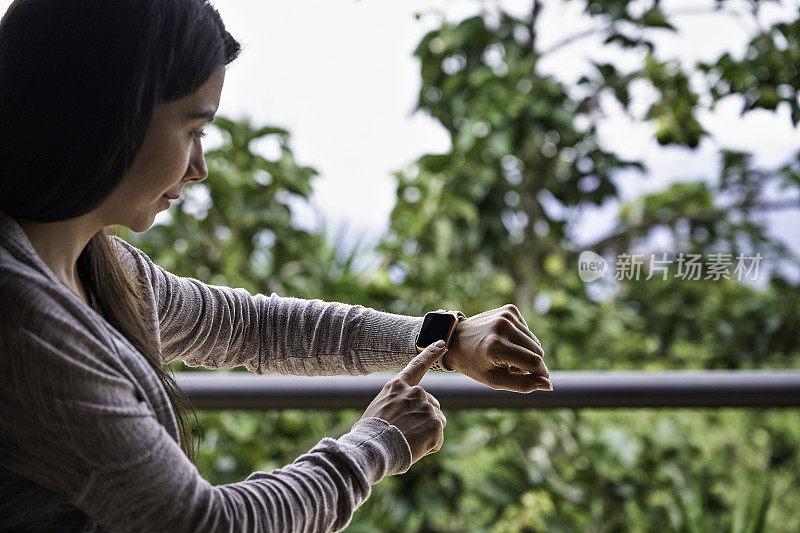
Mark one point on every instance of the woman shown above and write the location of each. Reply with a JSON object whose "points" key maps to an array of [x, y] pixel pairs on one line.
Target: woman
{"points": [[102, 105]]}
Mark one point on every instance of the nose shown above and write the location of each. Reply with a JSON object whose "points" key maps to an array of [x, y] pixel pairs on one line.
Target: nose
{"points": [[197, 170]]}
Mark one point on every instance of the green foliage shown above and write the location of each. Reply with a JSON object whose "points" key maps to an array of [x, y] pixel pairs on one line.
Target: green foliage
{"points": [[487, 223], [515, 147], [674, 111], [592, 470], [767, 75], [236, 227], [226, 231]]}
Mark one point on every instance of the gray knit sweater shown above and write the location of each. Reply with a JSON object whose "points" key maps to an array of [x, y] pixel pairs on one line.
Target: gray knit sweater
{"points": [[88, 441]]}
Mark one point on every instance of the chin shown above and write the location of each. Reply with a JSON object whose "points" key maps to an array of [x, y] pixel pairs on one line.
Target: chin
{"points": [[140, 229], [139, 226], [136, 228]]}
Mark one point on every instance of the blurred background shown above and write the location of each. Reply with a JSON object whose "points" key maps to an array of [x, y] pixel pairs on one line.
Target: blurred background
{"points": [[417, 155], [414, 155]]}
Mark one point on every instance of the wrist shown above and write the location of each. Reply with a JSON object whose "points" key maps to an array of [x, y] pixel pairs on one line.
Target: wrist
{"points": [[447, 362], [450, 358]]}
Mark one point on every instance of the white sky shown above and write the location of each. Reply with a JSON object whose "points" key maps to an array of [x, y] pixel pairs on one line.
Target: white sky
{"points": [[340, 76]]}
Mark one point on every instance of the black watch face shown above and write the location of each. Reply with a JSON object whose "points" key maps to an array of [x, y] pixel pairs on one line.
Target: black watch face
{"points": [[434, 328]]}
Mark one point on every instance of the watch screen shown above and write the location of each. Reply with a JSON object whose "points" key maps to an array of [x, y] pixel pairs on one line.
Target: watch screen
{"points": [[434, 328]]}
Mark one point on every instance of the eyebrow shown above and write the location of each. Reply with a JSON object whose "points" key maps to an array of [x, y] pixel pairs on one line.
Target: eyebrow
{"points": [[207, 114]]}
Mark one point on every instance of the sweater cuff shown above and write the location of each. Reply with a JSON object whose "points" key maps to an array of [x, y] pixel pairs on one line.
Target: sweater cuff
{"points": [[386, 340], [379, 448]]}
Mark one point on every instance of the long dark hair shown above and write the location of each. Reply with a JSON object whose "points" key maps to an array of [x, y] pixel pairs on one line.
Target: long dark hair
{"points": [[79, 80]]}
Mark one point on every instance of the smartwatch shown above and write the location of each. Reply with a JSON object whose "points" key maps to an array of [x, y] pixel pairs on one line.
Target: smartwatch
{"points": [[438, 325]]}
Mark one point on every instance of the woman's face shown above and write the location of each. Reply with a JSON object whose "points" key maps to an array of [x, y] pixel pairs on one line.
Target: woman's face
{"points": [[170, 156]]}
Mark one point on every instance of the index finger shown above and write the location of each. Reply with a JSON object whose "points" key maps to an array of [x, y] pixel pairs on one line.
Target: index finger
{"points": [[415, 369]]}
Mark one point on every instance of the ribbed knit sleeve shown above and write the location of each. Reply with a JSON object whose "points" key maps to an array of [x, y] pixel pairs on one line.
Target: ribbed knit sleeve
{"points": [[89, 440], [222, 327], [75, 425]]}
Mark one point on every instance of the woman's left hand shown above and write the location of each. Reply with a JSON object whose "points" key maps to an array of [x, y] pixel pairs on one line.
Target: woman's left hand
{"points": [[497, 349]]}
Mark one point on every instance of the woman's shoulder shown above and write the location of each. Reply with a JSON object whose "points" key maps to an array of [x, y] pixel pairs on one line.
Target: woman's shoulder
{"points": [[34, 302], [136, 262], [47, 334], [24, 287]]}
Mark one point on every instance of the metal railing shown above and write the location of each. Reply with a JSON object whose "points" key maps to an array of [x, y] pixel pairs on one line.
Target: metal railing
{"points": [[239, 390]]}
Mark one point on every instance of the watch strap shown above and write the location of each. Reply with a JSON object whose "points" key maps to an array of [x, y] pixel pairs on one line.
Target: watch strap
{"points": [[439, 366]]}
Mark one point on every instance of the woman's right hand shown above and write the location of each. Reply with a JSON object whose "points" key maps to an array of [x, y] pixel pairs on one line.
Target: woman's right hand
{"points": [[409, 407]]}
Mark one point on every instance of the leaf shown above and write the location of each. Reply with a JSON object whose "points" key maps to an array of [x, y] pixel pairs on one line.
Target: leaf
{"points": [[654, 17]]}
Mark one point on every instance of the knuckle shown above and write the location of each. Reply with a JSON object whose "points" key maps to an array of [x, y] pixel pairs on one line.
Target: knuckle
{"points": [[486, 342], [498, 342], [513, 311], [395, 385], [417, 391], [503, 325], [436, 425]]}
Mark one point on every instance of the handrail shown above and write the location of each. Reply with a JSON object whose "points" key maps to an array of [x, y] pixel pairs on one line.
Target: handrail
{"points": [[760, 388]]}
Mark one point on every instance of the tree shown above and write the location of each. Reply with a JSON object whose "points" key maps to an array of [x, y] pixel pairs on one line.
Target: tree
{"points": [[488, 223], [525, 157]]}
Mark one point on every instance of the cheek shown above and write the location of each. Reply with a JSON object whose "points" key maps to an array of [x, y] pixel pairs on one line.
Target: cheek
{"points": [[168, 164], [174, 150]]}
